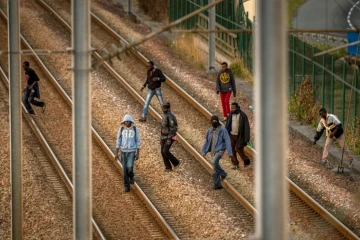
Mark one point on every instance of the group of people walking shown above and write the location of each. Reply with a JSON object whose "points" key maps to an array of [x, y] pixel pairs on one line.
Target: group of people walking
{"points": [[233, 137]]}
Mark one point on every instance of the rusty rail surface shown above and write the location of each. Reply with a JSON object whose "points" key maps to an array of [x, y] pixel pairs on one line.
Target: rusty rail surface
{"points": [[160, 219], [50, 153]]}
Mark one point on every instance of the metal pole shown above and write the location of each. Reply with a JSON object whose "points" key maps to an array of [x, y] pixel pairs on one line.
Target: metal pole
{"points": [[129, 13], [212, 46], [271, 71], [82, 119], [15, 120]]}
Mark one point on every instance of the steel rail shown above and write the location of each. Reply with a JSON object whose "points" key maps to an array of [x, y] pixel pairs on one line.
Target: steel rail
{"points": [[293, 187], [140, 193], [50, 153], [153, 112]]}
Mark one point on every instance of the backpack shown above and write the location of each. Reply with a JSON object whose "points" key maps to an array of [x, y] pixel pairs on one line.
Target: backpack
{"points": [[122, 128]]}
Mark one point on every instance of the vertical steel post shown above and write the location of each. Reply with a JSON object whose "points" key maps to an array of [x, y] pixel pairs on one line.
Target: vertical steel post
{"points": [[211, 67], [332, 95], [271, 106], [82, 119], [355, 93], [313, 70], [323, 83], [293, 65], [15, 120], [129, 13], [343, 94]]}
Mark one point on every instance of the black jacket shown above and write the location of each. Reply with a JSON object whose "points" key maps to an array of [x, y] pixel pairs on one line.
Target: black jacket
{"points": [[243, 136], [169, 126], [159, 78]]}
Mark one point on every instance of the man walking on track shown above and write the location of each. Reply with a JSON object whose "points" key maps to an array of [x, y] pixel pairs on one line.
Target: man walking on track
{"points": [[217, 141], [168, 136], [128, 143], [334, 132], [32, 89], [225, 84], [238, 127], [153, 81]]}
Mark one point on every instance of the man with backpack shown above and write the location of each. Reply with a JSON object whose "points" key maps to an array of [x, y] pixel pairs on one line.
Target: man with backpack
{"points": [[128, 148]]}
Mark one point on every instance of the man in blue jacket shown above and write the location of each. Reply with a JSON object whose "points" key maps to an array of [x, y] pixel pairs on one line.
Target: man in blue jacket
{"points": [[128, 148], [217, 141]]}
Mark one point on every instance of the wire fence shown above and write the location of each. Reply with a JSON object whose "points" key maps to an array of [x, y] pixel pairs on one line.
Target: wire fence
{"points": [[332, 79]]}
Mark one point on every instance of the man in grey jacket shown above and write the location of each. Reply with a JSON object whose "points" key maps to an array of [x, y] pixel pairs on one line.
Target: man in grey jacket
{"points": [[168, 136], [128, 148], [225, 84]]}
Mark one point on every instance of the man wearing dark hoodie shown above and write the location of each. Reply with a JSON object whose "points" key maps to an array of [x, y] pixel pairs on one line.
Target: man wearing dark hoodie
{"points": [[217, 141], [128, 147], [225, 84], [169, 128], [238, 127], [153, 81]]}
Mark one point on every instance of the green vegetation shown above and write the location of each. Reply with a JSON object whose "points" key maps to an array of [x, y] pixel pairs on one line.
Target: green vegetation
{"points": [[352, 135], [239, 69], [302, 105], [293, 5], [323, 47]]}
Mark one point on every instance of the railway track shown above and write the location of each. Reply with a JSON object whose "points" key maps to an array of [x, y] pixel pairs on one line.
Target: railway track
{"points": [[298, 198], [207, 114], [55, 174], [144, 225], [237, 213]]}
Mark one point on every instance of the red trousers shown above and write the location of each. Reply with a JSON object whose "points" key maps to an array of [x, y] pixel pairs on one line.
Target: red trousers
{"points": [[225, 102]]}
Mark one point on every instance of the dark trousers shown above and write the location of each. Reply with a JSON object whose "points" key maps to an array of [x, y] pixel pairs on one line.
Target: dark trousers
{"points": [[240, 151], [29, 98], [167, 155]]}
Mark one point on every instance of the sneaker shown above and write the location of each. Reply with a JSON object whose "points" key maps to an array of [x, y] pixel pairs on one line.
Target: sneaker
{"points": [[142, 119], [43, 108], [323, 161], [246, 166], [32, 113], [126, 189], [132, 181], [168, 170], [235, 167], [351, 164], [218, 187], [178, 164], [223, 178]]}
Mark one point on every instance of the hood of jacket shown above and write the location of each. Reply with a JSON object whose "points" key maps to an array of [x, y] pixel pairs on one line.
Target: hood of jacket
{"points": [[127, 117]]}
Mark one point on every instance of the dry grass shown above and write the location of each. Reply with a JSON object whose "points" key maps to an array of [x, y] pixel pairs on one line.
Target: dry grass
{"points": [[239, 69], [302, 105], [188, 51]]}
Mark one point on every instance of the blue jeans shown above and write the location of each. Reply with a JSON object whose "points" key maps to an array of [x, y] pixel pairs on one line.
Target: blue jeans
{"points": [[218, 171], [149, 95], [127, 161]]}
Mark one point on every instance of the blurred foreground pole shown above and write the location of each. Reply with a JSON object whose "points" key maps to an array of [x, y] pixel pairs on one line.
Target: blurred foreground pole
{"points": [[82, 119], [271, 72], [15, 120]]}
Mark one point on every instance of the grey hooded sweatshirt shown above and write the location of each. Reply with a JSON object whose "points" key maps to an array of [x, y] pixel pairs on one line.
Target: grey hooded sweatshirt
{"points": [[225, 81]]}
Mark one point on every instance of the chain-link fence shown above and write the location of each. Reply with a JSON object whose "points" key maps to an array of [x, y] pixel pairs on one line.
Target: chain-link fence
{"points": [[334, 81]]}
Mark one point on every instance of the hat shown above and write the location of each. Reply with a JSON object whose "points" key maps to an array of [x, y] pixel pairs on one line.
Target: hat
{"points": [[214, 118], [127, 118], [166, 105]]}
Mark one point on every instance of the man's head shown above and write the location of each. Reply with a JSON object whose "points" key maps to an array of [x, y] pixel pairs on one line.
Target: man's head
{"points": [[224, 66], [166, 107], [323, 113], [233, 107], [150, 65], [127, 120], [26, 65], [214, 121]]}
